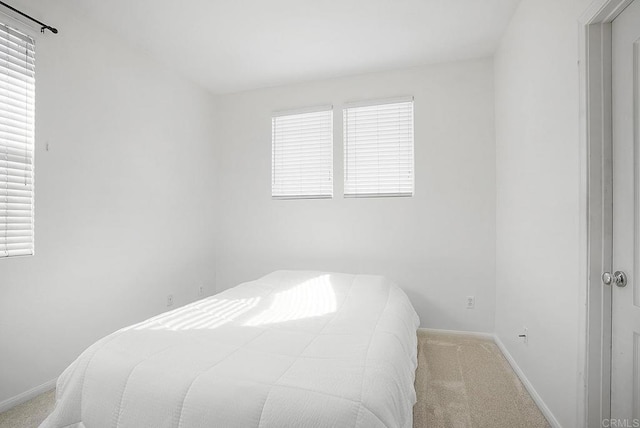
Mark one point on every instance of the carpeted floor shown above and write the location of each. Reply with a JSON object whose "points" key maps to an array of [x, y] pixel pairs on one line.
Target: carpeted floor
{"points": [[462, 382], [465, 382], [29, 414]]}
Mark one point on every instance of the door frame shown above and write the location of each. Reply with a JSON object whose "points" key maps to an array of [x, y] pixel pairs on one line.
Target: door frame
{"points": [[596, 210]]}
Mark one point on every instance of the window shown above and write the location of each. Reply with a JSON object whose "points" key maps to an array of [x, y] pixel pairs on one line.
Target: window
{"points": [[378, 149], [302, 152], [17, 90]]}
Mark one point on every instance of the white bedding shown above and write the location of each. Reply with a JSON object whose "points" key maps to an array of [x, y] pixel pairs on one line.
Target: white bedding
{"points": [[292, 349]]}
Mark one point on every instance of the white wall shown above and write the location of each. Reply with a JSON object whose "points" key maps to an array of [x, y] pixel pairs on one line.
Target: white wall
{"points": [[439, 245], [124, 200], [537, 160]]}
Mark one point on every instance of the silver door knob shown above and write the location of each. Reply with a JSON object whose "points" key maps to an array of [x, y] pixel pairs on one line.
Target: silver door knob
{"points": [[618, 277]]}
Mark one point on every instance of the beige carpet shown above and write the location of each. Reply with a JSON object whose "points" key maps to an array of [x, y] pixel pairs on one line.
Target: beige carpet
{"points": [[465, 382], [29, 414], [462, 382]]}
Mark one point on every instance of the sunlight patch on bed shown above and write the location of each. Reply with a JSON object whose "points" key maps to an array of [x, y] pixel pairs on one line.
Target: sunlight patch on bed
{"points": [[312, 298], [205, 314]]}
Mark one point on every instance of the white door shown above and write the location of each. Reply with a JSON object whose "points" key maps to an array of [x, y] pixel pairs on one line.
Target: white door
{"points": [[625, 336]]}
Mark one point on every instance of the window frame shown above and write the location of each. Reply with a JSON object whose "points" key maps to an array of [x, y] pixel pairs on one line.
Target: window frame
{"points": [[32, 35], [345, 142], [296, 112]]}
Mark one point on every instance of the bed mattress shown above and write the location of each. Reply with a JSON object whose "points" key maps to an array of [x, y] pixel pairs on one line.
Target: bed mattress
{"points": [[292, 349]]}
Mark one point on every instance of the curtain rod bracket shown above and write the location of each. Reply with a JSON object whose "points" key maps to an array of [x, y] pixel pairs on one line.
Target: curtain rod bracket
{"points": [[43, 26], [46, 27]]}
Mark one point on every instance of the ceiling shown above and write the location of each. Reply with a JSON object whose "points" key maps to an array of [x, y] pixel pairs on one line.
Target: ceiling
{"points": [[235, 45]]}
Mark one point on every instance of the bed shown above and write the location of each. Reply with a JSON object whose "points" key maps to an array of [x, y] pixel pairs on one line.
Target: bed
{"points": [[291, 349]]}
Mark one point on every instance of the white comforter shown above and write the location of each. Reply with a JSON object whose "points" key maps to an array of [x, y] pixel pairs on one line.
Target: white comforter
{"points": [[292, 349]]}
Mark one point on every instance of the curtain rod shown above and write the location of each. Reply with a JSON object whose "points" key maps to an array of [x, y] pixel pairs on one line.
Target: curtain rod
{"points": [[43, 26]]}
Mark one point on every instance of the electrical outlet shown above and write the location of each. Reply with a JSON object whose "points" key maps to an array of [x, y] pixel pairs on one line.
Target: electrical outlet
{"points": [[471, 302], [170, 300], [201, 291]]}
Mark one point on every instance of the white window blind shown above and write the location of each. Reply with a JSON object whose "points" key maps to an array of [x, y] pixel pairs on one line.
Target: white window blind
{"points": [[378, 149], [302, 151], [17, 91]]}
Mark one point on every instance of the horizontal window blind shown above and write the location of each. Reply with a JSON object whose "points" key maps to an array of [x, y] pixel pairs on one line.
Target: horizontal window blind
{"points": [[17, 95], [302, 151], [378, 149]]}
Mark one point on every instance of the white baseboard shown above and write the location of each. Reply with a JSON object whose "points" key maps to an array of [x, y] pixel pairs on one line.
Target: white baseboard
{"points": [[461, 333], [27, 395], [534, 394]]}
